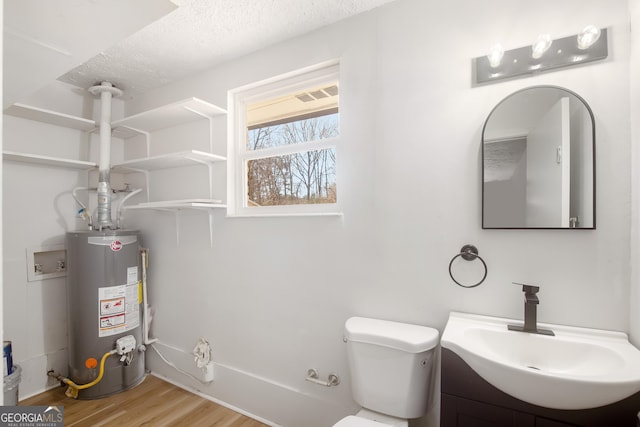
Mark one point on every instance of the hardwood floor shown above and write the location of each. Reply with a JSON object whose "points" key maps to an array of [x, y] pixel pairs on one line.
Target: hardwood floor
{"points": [[154, 403]]}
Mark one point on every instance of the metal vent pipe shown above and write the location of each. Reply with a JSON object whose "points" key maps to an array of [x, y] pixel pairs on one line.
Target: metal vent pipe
{"points": [[106, 92]]}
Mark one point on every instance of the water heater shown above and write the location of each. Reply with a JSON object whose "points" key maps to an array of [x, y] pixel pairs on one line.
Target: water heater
{"points": [[104, 305]]}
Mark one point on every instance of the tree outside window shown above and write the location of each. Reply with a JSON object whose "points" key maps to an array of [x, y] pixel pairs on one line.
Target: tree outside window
{"points": [[298, 178]]}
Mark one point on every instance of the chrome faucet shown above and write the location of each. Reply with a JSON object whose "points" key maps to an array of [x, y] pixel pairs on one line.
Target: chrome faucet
{"points": [[531, 302]]}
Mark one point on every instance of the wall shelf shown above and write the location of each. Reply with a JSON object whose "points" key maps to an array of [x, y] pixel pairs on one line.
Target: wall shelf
{"points": [[48, 161], [169, 115], [144, 123], [176, 207], [50, 117], [43, 115], [169, 205], [171, 160]]}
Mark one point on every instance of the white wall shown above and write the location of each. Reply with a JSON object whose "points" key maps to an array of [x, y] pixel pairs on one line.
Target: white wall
{"points": [[272, 294], [634, 318]]}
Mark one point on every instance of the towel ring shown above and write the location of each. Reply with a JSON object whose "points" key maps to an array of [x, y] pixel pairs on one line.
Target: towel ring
{"points": [[469, 253]]}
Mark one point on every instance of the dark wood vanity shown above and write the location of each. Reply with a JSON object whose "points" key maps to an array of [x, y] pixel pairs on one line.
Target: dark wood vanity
{"points": [[470, 401]]}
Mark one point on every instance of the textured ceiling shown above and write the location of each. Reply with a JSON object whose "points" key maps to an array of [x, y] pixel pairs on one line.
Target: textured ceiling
{"points": [[203, 33], [43, 39]]}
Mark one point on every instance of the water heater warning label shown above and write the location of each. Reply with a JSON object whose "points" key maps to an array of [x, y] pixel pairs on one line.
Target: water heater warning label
{"points": [[111, 306], [118, 309]]}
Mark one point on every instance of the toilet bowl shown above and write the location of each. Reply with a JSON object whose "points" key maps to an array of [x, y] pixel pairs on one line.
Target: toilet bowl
{"points": [[392, 371]]}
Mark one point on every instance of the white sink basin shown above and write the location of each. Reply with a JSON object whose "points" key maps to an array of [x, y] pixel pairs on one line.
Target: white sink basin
{"points": [[578, 368]]}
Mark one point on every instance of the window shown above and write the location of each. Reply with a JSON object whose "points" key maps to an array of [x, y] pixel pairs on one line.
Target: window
{"points": [[282, 145]]}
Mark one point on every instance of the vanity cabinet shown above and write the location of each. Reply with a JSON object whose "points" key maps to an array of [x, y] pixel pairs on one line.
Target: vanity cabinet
{"points": [[460, 412], [469, 401], [456, 411]]}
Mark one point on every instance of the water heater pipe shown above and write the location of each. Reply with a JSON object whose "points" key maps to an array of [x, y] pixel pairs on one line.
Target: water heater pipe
{"points": [[73, 389], [146, 319], [106, 92], [85, 213], [124, 199]]}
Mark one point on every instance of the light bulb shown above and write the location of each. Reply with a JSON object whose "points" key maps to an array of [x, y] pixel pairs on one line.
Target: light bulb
{"points": [[542, 43], [495, 55], [588, 36]]}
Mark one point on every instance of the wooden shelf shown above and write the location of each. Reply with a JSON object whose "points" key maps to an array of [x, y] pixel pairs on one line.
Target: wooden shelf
{"points": [[169, 115], [171, 160], [50, 117], [47, 160]]}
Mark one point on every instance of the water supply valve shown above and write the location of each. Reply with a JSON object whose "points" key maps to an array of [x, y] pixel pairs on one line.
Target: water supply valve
{"points": [[124, 346]]}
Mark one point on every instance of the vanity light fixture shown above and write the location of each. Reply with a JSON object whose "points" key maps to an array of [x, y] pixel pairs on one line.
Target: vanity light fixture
{"points": [[541, 45], [495, 55], [544, 55], [588, 36]]}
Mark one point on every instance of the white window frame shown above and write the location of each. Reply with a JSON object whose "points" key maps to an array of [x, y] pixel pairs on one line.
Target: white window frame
{"points": [[238, 155]]}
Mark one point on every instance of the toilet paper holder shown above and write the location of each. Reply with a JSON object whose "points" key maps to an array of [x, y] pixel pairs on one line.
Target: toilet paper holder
{"points": [[314, 377]]}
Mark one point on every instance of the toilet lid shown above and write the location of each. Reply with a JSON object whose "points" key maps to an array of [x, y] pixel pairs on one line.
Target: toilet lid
{"points": [[352, 421]]}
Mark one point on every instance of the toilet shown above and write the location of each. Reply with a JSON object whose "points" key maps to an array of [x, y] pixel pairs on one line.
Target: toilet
{"points": [[392, 371]]}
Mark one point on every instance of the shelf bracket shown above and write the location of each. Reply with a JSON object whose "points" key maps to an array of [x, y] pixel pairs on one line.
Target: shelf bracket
{"points": [[210, 134], [211, 228], [209, 165], [206, 116], [147, 137], [147, 180], [177, 218]]}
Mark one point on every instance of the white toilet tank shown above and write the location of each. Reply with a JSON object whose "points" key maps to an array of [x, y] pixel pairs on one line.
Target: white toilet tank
{"points": [[391, 365]]}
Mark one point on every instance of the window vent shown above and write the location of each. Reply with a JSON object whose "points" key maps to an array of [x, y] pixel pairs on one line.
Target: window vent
{"points": [[305, 97], [318, 94], [331, 90]]}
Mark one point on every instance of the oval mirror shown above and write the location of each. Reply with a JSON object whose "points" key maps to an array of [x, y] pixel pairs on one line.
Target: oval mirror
{"points": [[538, 161]]}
